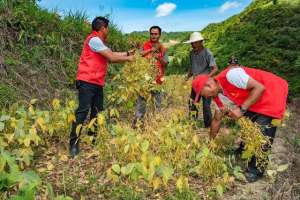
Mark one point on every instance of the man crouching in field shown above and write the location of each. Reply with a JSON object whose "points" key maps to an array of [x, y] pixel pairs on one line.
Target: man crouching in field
{"points": [[256, 94], [92, 69]]}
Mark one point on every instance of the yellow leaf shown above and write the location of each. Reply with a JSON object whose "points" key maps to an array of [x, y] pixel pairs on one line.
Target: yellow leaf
{"points": [[9, 137], [91, 124], [71, 118], [156, 182], [182, 183], [41, 170], [71, 104], [33, 101], [271, 173], [50, 166], [111, 176], [78, 129], [31, 110], [27, 142], [276, 122], [156, 161], [56, 104], [100, 119], [41, 122], [195, 139], [63, 158], [283, 168]]}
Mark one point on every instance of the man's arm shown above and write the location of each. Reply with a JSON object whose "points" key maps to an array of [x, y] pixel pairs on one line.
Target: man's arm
{"points": [[127, 53], [116, 57], [190, 73], [120, 53], [212, 63], [240, 79], [213, 71], [146, 52], [97, 45], [215, 124], [256, 91]]}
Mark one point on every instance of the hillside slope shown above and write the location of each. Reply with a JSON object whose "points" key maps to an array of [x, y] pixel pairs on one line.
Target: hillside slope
{"points": [[40, 50]]}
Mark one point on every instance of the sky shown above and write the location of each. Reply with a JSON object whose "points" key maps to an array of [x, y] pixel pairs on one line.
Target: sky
{"points": [[139, 15]]}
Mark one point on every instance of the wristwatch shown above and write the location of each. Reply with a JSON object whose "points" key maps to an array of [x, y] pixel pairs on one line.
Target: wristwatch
{"points": [[243, 110]]}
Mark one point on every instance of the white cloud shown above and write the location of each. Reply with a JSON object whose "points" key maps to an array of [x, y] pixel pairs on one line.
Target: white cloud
{"points": [[229, 5], [165, 9]]}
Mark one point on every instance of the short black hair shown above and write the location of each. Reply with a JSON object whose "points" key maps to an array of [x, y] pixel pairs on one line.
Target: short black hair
{"points": [[99, 22], [155, 27], [232, 60]]}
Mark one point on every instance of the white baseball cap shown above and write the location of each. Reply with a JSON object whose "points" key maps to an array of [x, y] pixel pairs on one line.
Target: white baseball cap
{"points": [[194, 37]]}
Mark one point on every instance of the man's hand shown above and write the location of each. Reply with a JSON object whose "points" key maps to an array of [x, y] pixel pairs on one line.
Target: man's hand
{"points": [[131, 52], [235, 113], [187, 78], [131, 58]]}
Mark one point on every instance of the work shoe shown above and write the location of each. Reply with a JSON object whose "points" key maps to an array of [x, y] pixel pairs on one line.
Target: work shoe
{"points": [[253, 175], [74, 149]]}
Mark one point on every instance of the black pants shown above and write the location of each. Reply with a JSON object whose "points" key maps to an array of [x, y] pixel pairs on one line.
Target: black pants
{"points": [[90, 97], [206, 108], [267, 129]]}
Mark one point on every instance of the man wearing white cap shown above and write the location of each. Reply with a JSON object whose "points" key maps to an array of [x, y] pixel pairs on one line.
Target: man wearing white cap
{"points": [[202, 62]]}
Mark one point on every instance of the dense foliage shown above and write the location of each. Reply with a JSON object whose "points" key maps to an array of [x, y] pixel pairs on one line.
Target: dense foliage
{"points": [[41, 50]]}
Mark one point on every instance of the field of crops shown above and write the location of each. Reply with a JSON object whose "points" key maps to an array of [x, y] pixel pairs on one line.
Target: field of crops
{"points": [[169, 157]]}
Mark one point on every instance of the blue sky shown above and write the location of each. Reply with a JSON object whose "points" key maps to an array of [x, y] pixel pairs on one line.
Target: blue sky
{"points": [[139, 15]]}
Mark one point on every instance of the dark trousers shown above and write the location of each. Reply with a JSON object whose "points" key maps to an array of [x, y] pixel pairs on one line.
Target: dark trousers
{"points": [[206, 108], [267, 129], [90, 98]]}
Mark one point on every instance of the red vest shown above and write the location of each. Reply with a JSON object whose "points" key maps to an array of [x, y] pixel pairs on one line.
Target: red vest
{"points": [[161, 70], [92, 66], [272, 102]]}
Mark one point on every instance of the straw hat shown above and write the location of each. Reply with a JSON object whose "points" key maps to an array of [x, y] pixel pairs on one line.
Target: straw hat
{"points": [[194, 37]]}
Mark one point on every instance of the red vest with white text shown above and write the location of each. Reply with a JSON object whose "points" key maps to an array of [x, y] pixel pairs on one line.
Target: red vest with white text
{"points": [[92, 66], [272, 103]]}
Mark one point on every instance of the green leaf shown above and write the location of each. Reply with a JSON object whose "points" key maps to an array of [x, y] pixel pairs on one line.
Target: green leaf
{"points": [[166, 172], [282, 168], [50, 191], [116, 168], [30, 181], [205, 151], [129, 168], [237, 172], [126, 148], [33, 101], [145, 146], [220, 190], [4, 118], [1, 126]]}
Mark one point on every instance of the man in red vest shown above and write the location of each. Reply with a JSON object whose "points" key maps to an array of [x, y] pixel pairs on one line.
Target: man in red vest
{"points": [[241, 91], [153, 49], [92, 69]]}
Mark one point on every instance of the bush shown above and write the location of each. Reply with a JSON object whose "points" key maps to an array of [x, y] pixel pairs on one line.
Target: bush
{"points": [[7, 95]]}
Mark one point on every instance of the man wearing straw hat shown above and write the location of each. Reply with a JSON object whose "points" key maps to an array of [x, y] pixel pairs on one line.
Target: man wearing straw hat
{"points": [[202, 62]]}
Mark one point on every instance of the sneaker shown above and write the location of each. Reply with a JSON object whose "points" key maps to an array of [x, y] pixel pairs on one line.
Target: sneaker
{"points": [[74, 149], [253, 175]]}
